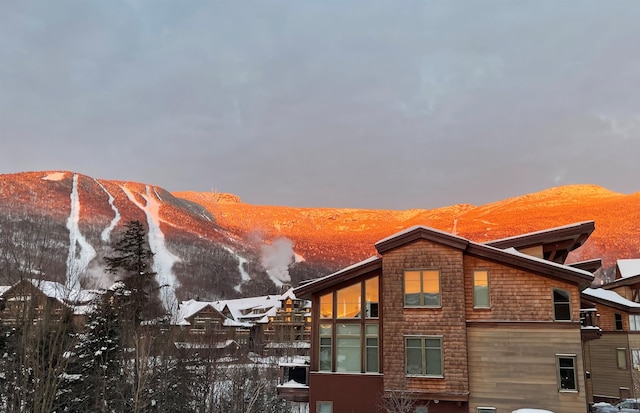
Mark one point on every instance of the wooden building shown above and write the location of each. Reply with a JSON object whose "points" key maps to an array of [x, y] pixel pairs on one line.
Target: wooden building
{"points": [[451, 325], [613, 361]]}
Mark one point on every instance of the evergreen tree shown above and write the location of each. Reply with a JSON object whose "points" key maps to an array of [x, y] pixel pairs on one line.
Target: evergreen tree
{"points": [[131, 260]]}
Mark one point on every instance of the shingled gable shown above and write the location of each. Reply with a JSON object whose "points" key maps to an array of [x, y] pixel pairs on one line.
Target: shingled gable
{"points": [[556, 242]]}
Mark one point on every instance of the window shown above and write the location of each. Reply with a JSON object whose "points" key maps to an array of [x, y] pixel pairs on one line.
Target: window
{"points": [[326, 340], [326, 306], [324, 407], [422, 288], [348, 348], [561, 305], [486, 410], [348, 302], [422, 409], [618, 321], [621, 357], [635, 358], [567, 378], [423, 356], [371, 297], [634, 322], [371, 344], [481, 297]]}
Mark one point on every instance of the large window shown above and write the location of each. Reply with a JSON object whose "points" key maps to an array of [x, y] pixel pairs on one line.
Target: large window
{"points": [[634, 322], [422, 288], [349, 341], [635, 358], [561, 305], [567, 378], [481, 298], [423, 356]]}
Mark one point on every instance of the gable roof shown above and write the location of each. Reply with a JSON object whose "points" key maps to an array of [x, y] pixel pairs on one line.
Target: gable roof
{"points": [[629, 267], [510, 257], [556, 242]]}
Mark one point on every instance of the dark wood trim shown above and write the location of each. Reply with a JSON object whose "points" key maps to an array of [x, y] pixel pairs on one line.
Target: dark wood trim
{"points": [[420, 233], [341, 277], [578, 232]]}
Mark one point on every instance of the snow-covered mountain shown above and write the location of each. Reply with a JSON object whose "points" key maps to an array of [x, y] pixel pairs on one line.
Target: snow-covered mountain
{"points": [[59, 225]]}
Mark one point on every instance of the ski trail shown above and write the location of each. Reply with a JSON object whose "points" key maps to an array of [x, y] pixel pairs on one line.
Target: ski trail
{"points": [[163, 259], [80, 251], [106, 233], [243, 273]]}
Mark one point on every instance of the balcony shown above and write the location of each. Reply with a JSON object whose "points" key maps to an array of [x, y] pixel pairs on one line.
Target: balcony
{"points": [[294, 382], [589, 324]]}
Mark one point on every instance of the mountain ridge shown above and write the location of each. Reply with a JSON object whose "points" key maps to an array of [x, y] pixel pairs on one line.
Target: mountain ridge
{"points": [[224, 247]]}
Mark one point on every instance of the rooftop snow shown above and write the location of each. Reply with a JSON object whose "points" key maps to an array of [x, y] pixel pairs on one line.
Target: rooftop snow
{"points": [[629, 267], [611, 296]]}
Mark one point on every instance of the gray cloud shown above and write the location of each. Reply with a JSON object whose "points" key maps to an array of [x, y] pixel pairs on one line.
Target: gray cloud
{"points": [[371, 104]]}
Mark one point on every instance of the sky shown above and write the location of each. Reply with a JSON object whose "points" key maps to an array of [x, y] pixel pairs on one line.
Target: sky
{"points": [[375, 104]]}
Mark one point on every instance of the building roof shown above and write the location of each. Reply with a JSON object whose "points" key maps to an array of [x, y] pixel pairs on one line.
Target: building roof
{"points": [[510, 257], [629, 267], [610, 298], [556, 242]]}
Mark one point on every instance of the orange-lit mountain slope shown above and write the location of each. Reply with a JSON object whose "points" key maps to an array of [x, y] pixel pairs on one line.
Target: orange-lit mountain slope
{"points": [[218, 243], [349, 234]]}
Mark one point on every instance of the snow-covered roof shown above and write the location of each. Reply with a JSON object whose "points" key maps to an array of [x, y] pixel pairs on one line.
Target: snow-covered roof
{"points": [[610, 296], [629, 267], [514, 251]]}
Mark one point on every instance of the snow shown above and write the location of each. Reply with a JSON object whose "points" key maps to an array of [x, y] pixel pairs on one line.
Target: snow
{"points": [[629, 267], [531, 411], [55, 176], [611, 296], [163, 259], [293, 384], [77, 262], [515, 252], [106, 233], [243, 273]]}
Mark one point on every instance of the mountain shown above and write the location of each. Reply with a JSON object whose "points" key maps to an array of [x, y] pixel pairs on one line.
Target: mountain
{"points": [[59, 225]]}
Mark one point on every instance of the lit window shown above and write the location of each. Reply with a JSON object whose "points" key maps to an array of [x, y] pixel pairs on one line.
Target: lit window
{"points": [[481, 297], [422, 288], [561, 305], [423, 356], [621, 357], [348, 348], [371, 297], [567, 378], [348, 302], [326, 306]]}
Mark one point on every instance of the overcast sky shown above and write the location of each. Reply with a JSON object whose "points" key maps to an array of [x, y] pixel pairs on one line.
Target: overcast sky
{"points": [[333, 103]]}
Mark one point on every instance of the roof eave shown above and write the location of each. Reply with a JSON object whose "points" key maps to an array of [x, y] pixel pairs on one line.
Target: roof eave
{"points": [[307, 290]]}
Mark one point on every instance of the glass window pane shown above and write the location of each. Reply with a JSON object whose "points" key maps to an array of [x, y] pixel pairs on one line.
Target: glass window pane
{"points": [[414, 360], [481, 289], [622, 358], [371, 297], [326, 306], [561, 305], [348, 302], [324, 407], [412, 287], [325, 351], [567, 373], [431, 288], [348, 354]]}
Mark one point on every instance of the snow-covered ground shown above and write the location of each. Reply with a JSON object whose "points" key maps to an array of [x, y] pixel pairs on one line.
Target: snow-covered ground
{"points": [[243, 273], [163, 260], [106, 233], [80, 251]]}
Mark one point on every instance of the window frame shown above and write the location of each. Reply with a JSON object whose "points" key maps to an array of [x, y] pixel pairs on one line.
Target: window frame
{"points": [[618, 324], [328, 404], [621, 358], [574, 368], [488, 291], [561, 303], [635, 324], [423, 353], [335, 342], [422, 293], [483, 409]]}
